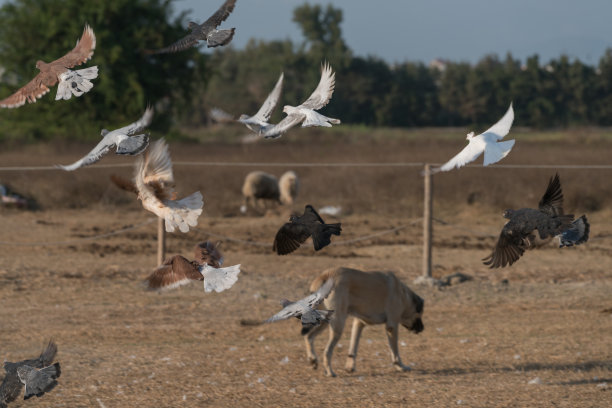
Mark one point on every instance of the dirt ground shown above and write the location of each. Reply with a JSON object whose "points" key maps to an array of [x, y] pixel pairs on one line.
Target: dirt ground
{"points": [[536, 334]]}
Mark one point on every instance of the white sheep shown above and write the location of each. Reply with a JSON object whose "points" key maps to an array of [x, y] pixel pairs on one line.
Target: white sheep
{"points": [[289, 186]]}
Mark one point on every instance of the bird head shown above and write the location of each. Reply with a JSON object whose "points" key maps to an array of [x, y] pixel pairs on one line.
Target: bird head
{"points": [[508, 213], [287, 109], [243, 117], [470, 135]]}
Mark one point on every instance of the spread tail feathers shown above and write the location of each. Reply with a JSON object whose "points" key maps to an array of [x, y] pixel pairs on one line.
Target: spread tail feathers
{"points": [[133, 145], [219, 279], [576, 234], [75, 82], [219, 37], [184, 213]]}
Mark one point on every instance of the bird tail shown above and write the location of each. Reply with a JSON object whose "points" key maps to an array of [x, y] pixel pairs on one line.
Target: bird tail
{"points": [[133, 145], [219, 279], [52, 371], [75, 82], [316, 119], [220, 37], [494, 152], [184, 213], [576, 234], [322, 236]]}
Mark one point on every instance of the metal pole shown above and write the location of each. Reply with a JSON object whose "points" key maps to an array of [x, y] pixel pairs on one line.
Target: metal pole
{"points": [[427, 221], [161, 241]]}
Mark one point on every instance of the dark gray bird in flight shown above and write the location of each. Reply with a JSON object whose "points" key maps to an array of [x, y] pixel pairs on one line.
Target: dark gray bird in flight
{"points": [[206, 31], [529, 228], [291, 235], [305, 309], [38, 375]]}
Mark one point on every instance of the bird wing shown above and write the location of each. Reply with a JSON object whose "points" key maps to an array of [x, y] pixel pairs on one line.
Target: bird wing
{"points": [[207, 253], [311, 216], [174, 272], [465, 156], [101, 149], [291, 310], [316, 298], [502, 127], [506, 251], [10, 389], [138, 126], [31, 91], [81, 52], [220, 15], [552, 200], [157, 167], [124, 184], [291, 120], [289, 238], [323, 93], [184, 43], [269, 104]]}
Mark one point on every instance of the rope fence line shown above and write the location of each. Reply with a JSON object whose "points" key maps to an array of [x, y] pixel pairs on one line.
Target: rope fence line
{"points": [[348, 164]]}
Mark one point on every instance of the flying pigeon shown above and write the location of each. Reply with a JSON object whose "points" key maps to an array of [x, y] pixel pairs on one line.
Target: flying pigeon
{"points": [[487, 142], [37, 374], [154, 180], [205, 31], [260, 119], [125, 139], [292, 234], [306, 112], [220, 116], [178, 271], [70, 82], [305, 309], [529, 228]]}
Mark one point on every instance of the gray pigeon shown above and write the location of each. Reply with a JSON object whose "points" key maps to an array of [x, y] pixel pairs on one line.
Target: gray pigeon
{"points": [[39, 381], [305, 309], [530, 228], [125, 139], [292, 234], [205, 31]]}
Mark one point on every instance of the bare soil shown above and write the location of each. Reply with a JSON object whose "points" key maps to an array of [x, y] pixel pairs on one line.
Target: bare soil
{"points": [[537, 334]]}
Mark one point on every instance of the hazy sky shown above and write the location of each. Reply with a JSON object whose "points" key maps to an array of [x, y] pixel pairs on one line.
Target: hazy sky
{"points": [[420, 30]]}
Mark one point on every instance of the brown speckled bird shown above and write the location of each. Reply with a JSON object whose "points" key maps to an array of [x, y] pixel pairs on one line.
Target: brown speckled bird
{"points": [[70, 82]]}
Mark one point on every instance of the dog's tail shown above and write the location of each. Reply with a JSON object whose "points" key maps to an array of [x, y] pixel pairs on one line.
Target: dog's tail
{"points": [[321, 279]]}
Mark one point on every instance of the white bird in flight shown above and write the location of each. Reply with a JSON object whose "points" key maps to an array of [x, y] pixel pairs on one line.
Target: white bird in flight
{"points": [[154, 180], [487, 142], [306, 112], [260, 119], [125, 139]]}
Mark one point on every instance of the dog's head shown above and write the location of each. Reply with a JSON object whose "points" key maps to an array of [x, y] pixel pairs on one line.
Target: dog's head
{"points": [[413, 311]]}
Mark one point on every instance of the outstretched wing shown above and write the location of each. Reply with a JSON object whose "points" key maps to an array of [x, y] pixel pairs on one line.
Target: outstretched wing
{"points": [[274, 131], [94, 155], [505, 253], [157, 165], [552, 200], [465, 156], [184, 43], [289, 238], [174, 272], [30, 92], [220, 15], [502, 127], [311, 216], [81, 52], [124, 184], [269, 104], [291, 310], [321, 96], [138, 126], [316, 298]]}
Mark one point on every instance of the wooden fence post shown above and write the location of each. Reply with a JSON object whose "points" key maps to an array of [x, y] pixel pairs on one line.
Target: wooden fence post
{"points": [[427, 220], [161, 240]]}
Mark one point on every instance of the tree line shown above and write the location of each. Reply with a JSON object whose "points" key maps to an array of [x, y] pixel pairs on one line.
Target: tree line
{"points": [[184, 86]]}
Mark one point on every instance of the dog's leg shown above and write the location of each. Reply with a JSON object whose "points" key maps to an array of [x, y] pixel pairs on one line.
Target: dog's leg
{"points": [[358, 326], [309, 339], [392, 336], [336, 325]]}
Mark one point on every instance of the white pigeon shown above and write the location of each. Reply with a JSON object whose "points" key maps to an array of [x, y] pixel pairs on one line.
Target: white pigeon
{"points": [[306, 112], [260, 119], [154, 179], [487, 142], [304, 309], [125, 139]]}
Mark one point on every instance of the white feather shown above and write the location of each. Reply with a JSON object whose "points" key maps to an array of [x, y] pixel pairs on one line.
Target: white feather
{"points": [[219, 279]]}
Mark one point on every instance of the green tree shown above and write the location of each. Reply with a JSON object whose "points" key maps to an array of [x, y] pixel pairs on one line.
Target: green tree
{"points": [[128, 79]]}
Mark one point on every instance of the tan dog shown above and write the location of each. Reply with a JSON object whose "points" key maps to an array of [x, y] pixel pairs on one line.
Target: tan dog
{"points": [[372, 298]]}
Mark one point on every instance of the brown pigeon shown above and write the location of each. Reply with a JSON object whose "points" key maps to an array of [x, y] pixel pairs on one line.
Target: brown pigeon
{"points": [[70, 82], [205, 31], [291, 235], [529, 228]]}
